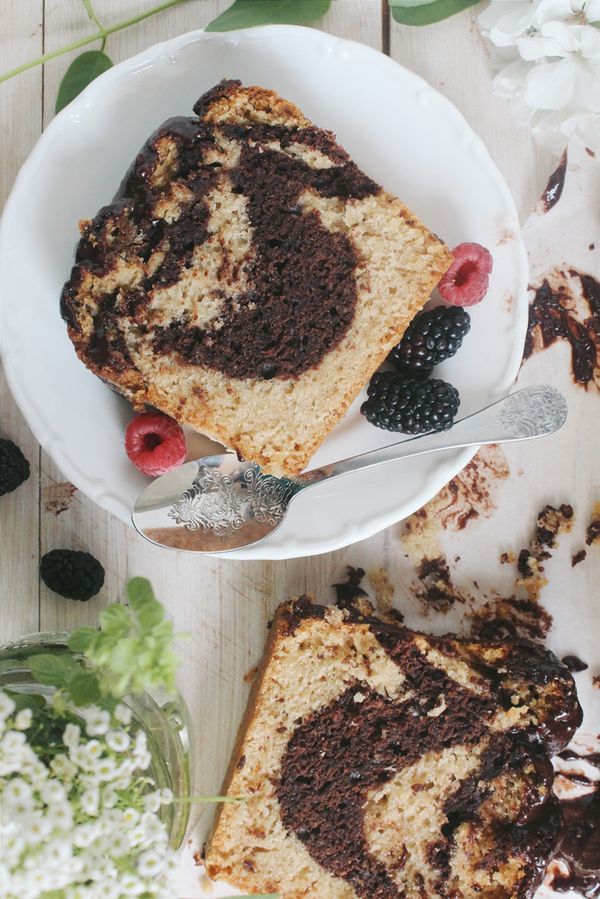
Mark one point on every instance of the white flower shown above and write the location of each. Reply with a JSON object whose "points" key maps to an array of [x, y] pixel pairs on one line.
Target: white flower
{"points": [[130, 817], [548, 52], [12, 849], [7, 705], [36, 828], [166, 796], [107, 890], [18, 795], [71, 735], [23, 719], [52, 791], [97, 721], [150, 864], [152, 801], [110, 797], [105, 768], [85, 834], [63, 768], [119, 844], [118, 740], [58, 852], [61, 815], [131, 885], [90, 801], [123, 714]]}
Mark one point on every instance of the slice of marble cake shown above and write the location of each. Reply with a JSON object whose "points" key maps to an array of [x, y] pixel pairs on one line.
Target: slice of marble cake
{"points": [[377, 762], [248, 278]]}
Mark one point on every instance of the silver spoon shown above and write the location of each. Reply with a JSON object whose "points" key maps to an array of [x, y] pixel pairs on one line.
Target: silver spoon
{"points": [[218, 503]]}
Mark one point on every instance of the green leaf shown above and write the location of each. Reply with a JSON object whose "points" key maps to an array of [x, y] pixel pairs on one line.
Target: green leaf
{"points": [[84, 688], [33, 701], [139, 592], [141, 598], [414, 12], [114, 618], [80, 640], [246, 13], [53, 669], [80, 73]]}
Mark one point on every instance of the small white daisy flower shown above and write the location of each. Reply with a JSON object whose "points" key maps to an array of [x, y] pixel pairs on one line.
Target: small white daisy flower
{"points": [[150, 864], [118, 740], [97, 721], [123, 714], [71, 735], [7, 705], [23, 719]]}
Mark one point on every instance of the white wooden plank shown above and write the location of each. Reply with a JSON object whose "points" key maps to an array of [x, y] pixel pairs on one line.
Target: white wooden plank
{"points": [[20, 124]]}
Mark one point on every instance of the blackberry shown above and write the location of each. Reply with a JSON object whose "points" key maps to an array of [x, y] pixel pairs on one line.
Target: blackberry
{"points": [[431, 337], [75, 575], [14, 467], [399, 403]]}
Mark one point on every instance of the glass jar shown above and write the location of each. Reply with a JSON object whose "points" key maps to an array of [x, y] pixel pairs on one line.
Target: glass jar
{"points": [[164, 718]]}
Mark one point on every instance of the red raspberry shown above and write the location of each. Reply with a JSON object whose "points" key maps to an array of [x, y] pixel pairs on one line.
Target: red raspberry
{"points": [[466, 281], [155, 443]]}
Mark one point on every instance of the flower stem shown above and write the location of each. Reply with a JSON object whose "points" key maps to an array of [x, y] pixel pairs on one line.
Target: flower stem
{"points": [[99, 35]]}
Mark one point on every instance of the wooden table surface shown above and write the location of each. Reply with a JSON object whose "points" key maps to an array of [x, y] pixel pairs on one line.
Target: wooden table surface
{"points": [[226, 604]]}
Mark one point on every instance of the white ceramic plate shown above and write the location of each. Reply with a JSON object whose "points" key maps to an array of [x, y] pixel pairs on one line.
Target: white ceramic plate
{"points": [[398, 129]]}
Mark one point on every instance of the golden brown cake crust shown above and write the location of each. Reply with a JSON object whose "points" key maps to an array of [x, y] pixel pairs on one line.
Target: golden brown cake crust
{"points": [[379, 763], [249, 278]]}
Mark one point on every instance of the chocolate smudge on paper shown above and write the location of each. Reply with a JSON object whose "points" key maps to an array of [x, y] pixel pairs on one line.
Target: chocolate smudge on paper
{"points": [[579, 847], [578, 557], [468, 496], [576, 860], [596, 681], [58, 497], [567, 307], [554, 187]]}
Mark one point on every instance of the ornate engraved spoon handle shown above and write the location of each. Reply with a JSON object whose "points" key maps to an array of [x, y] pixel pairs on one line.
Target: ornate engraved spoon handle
{"points": [[532, 412]]}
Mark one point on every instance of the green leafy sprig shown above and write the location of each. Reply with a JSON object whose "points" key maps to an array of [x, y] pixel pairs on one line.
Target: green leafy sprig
{"points": [[132, 651], [90, 64], [425, 12]]}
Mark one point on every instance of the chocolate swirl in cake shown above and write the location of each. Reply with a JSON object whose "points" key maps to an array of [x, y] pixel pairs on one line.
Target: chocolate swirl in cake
{"points": [[342, 753], [300, 291]]}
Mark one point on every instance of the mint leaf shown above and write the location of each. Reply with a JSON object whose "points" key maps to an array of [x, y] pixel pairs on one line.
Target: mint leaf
{"points": [[141, 599], [81, 639], [84, 688], [114, 619], [55, 670], [246, 13], [414, 12], [33, 701], [80, 73], [139, 592]]}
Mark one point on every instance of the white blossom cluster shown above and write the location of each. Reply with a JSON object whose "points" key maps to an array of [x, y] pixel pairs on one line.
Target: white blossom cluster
{"points": [[548, 52], [79, 821]]}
